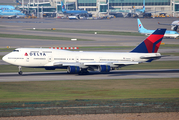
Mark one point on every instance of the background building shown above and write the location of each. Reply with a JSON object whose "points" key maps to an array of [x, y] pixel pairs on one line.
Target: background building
{"points": [[98, 6]]}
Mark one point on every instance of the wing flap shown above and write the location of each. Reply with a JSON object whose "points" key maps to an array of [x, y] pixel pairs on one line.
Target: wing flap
{"points": [[65, 64], [125, 63], [111, 63], [95, 63]]}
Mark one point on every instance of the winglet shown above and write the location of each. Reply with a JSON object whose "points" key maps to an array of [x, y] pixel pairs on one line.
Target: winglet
{"points": [[152, 43]]}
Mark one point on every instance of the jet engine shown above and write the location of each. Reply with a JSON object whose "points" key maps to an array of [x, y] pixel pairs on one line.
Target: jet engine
{"points": [[73, 69], [175, 27], [104, 68]]}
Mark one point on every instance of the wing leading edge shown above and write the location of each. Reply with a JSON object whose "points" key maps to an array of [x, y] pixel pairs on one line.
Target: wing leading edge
{"points": [[94, 63]]}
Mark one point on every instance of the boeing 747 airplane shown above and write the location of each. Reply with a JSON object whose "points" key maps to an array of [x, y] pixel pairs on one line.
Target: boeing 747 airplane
{"points": [[81, 62], [168, 33]]}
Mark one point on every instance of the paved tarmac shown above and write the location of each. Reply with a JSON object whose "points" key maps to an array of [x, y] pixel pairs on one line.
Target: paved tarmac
{"points": [[18, 26], [120, 74], [117, 24]]}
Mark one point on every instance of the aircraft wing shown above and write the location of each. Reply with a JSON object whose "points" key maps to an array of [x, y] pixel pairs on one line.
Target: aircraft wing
{"points": [[125, 63], [93, 63], [78, 64], [168, 24], [110, 63], [65, 64]]}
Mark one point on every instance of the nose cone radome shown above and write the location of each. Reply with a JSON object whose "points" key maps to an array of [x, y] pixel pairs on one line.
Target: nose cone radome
{"points": [[4, 58]]}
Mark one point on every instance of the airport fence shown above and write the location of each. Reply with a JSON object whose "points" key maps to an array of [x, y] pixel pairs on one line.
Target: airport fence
{"points": [[84, 107]]}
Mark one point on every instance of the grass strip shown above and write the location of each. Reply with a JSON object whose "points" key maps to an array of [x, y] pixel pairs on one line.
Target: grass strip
{"points": [[89, 89], [38, 37], [171, 54], [6, 49], [152, 65], [92, 32]]}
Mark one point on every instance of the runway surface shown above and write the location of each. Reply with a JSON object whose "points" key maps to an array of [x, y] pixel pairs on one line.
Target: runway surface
{"points": [[124, 74], [115, 24]]}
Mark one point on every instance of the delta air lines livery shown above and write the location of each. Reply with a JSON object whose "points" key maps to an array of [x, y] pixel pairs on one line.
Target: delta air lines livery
{"points": [[81, 62]]}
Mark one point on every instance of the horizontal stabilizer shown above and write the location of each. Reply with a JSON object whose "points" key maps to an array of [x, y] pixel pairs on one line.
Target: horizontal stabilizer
{"points": [[154, 57]]}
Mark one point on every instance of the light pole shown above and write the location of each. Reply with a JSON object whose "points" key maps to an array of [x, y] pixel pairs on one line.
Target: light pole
{"points": [[121, 4], [108, 7]]}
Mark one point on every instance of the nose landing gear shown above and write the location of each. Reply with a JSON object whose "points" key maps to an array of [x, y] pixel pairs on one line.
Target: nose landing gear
{"points": [[20, 72]]}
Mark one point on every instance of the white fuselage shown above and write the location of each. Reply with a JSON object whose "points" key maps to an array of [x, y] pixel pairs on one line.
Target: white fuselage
{"points": [[168, 34], [43, 57]]}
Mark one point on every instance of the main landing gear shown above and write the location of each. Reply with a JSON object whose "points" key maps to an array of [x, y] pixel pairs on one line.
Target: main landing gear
{"points": [[83, 72], [20, 72]]}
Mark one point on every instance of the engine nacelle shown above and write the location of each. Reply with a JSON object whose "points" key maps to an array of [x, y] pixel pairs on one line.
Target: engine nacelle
{"points": [[104, 68], [174, 28], [73, 69]]}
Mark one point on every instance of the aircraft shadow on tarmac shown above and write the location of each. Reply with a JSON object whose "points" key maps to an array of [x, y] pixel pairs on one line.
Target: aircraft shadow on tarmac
{"points": [[112, 73]]}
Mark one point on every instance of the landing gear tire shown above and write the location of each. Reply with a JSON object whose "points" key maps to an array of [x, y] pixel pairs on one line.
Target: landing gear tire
{"points": [[20, 72], [83, 72]]}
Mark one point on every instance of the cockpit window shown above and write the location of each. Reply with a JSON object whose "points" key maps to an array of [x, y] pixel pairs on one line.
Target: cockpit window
{"points": [[15, 50]]}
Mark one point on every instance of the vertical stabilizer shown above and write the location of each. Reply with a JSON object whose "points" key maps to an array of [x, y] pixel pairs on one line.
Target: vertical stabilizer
{"points": [[144, 5], [63, 7], [18, 2], [140, 26], [152, 43]]}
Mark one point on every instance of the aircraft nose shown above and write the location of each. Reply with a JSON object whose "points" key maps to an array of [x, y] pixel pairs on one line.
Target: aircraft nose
{"points": [[4, 58]]}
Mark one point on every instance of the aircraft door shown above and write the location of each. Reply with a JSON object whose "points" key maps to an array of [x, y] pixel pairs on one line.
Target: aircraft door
{"points": [[26, 56], [49, 58], [77, 59], [27, 59]]}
